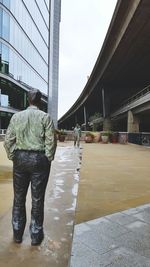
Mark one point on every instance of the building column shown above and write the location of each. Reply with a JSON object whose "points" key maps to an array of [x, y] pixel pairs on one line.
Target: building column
{"points": [[85, 118], [133, 123], [106, 110], [53, 64]]}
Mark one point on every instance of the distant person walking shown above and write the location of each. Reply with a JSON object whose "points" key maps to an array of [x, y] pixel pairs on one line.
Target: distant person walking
{"points": [[30, 144], [77, 135]]}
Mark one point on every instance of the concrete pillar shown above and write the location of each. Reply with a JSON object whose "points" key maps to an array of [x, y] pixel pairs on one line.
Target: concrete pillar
{"points": [[133, 123], [53, 62], [106, 102], [103, 102], [106, 110], [85, 118]]}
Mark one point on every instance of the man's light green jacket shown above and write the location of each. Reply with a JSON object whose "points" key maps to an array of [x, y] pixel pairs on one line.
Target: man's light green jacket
{"points": [[31, 129]]}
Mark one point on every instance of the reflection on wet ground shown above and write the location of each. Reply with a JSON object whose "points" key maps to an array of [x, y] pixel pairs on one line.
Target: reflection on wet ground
{"points": [[60, 206]]}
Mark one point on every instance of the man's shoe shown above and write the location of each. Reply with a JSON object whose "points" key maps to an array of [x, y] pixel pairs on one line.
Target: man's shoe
{"points": [[18, 240], [17, 236], [38, 240]]}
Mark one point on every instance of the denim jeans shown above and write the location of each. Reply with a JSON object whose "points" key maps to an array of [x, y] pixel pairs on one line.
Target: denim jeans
{"points": [[29, 167]]}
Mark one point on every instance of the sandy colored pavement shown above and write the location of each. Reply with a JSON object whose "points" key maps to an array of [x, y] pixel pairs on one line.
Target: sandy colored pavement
{"points": [[113, 178], [6, 190], [60, 203]]}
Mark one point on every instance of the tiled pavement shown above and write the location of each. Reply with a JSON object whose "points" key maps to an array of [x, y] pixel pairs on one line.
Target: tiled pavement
{"points": [[118, 240]]}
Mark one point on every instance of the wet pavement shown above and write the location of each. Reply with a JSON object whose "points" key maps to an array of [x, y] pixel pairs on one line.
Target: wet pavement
{"points": [[113, 178], [60, 203]]}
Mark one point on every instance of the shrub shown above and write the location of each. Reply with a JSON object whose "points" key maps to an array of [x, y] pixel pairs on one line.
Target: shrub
{"points": [[106, 133], [61, 132]]}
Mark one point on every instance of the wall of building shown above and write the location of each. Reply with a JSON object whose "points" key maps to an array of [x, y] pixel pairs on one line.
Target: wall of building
{"points": [[24, 53]]}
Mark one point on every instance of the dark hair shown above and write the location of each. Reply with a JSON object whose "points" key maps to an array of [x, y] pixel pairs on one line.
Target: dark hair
{"points": [[34, 97]]}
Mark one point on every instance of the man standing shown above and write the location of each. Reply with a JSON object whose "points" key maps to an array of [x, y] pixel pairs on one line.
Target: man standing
{"points": [[77, 135], [30, 142]]}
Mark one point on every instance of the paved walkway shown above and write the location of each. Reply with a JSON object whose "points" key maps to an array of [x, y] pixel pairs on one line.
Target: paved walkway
{"points": [[60, 206], [118, 240], [113, 178]]}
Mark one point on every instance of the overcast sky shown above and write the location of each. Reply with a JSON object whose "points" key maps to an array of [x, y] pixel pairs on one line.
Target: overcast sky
{"points": [[83, 27]]}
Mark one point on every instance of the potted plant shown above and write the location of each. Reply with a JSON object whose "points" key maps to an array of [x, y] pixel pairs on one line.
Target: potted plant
{"points": [[95, 121], [61, 135], [105, 136], [97, 137], [89, 137], [114, 137]]}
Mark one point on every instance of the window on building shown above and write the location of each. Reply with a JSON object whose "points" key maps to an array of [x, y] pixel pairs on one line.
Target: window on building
{"points": [[0, 22], [5, 59], [6, 3], [5, 26], [4, 100]]}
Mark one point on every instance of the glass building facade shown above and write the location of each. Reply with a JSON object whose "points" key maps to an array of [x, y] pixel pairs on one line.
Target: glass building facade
{"points": [[24, 53]]}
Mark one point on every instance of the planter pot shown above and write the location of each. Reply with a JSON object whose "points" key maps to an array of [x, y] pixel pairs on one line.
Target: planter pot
{"points": [[114, 138], [88, 139], [105, 139], [96, 138], [61, 138]]}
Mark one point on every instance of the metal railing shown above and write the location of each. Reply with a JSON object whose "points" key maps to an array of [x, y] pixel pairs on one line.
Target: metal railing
{"points": [[138, 99], [143, 92], [9, 107], [2, 131]]}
